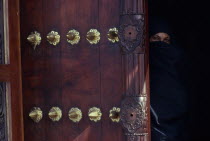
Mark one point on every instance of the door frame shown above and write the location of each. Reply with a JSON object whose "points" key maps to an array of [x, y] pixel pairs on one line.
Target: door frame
{"points": [[10, 72]]}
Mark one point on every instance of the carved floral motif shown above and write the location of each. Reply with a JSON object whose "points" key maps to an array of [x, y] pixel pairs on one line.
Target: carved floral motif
{"points": [[131, 32], [133, 113]]}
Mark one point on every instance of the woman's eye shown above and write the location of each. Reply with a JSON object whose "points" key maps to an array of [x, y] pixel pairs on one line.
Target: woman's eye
{"points": [[156, 38], [167, 41]]}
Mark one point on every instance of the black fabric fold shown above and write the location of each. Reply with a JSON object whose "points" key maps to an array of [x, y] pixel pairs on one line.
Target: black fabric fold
{"points": [[168, 94]]}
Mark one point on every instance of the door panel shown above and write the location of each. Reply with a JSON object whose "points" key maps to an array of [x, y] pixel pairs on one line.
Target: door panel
{"points": [[63, 75], [84, 75], [111, 69]]}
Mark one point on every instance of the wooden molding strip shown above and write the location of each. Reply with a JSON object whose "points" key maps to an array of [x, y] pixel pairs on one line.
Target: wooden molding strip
{"points": [[5, 73]]}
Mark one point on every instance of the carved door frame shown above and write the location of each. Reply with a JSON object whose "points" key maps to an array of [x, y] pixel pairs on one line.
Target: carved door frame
{"points": [[135, 111], [10, 72]]}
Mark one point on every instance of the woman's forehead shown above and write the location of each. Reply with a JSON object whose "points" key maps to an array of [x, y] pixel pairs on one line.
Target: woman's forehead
{"points": [[162, 34]]}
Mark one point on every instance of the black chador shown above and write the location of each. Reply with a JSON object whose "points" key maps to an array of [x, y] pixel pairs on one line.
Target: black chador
{"points": [[168, 94]]}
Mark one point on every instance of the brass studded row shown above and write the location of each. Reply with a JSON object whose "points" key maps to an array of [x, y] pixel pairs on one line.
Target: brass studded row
{"points": [[73, 37], [75, 114]]}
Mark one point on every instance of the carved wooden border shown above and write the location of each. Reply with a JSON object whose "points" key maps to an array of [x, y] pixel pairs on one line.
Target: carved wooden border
{"points": [[3, 117], [132, 34], [1, 33], [3, 114]]}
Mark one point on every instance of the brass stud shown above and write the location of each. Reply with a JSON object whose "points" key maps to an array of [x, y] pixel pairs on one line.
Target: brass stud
{"points": [[95, 114], [53, 38], [73, 37], [113, 35], [55, 114], [75, 115], [36, 114], [35, 39], [114, 114], [93, 36]]}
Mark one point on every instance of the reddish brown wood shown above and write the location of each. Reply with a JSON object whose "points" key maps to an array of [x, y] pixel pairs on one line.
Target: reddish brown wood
{"points": [[5, 73], [81, 76], [134, 42], [111, 69], [147, 68], [61, 76], [80, 69]]}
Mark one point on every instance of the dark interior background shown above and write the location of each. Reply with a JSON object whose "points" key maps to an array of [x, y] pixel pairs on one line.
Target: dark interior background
{"points": [[190, 21]]}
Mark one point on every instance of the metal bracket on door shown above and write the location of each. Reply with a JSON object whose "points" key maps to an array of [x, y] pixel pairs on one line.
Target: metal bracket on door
{"points": [[134, 116]]}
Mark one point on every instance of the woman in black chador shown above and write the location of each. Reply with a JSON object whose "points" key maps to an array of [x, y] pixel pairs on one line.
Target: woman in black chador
{"points": [[168, 92]]}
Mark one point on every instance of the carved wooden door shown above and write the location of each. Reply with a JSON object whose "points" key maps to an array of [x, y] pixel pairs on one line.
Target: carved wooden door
{"points": [[84, 70]]}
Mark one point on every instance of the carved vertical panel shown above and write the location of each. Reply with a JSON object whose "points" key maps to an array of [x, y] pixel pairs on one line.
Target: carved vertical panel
{"points": [[3, 123], [132, 31], [1, 33]]}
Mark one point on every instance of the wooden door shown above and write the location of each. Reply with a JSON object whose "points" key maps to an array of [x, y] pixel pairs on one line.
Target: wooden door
{"points": [[84, 70]]}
